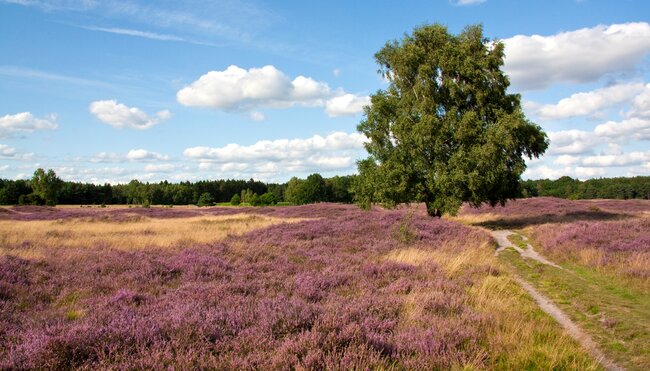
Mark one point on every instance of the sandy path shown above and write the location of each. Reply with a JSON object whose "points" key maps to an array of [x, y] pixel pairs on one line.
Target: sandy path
{"points": [[547, 306]]}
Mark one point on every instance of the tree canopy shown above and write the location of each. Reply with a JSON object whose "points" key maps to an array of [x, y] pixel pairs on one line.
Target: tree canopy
{"points": [[445, 131], [46, 185]]}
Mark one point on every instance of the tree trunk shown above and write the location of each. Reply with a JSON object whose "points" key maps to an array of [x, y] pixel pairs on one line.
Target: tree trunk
{"points": [[431, 211]]}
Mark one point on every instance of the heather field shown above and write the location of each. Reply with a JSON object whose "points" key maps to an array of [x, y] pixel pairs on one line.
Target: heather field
{"points": [[323, 286], [603, 249]]}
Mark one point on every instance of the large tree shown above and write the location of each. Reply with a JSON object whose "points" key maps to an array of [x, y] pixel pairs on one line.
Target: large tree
{"points": [[445, 131]]}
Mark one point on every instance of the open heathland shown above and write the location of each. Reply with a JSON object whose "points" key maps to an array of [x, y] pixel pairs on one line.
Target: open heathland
{"points": [[317, 286], [603, 278]]}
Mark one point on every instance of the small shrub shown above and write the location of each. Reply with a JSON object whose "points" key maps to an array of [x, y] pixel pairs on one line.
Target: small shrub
{"points": [[255, 200], [268, 199], [404, 231], [235, 200], [205, 200]]}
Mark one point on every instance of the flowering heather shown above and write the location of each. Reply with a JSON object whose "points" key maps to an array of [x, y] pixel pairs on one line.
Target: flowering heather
{"points": [[622, 245], [534, 211], [315, 294], [551, 206]]}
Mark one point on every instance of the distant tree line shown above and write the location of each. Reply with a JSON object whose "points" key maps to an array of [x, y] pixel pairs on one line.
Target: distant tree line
{"points": [[46, 188], [567, 187]]}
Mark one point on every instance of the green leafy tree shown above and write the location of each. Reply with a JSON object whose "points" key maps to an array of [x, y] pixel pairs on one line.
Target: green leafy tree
{"points": [[247, 195], [294, 192], [46, 185], [445, 131], [255, 200], [235, 200], [205, 200], [268, 199]]}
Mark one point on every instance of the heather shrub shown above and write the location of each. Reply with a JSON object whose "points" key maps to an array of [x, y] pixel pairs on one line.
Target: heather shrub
{"points": [[617, 246], [331, 291]]}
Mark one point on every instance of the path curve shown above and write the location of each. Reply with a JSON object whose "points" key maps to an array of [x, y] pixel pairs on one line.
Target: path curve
{"points": [[547, 305]]}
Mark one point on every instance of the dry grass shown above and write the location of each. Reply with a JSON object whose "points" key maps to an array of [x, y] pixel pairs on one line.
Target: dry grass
{"points": [[138, 233], [522, 337]]}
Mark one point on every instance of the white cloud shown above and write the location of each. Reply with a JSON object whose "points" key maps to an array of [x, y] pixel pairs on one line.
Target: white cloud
{"points": [[144, 155], [347, 104], [336, 72], [571, 142], [628, 129], [584, 55], [106, 157], [567, 160], [131, 156], [641, 105], [278, 149], [580, 172], [337, 151], [119, 115], [25, 122], [10, 153], [589, 103], [624, 159], [238, 89]]}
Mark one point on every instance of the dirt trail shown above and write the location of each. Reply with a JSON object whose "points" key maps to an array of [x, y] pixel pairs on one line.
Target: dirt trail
{"points": [[547, 306]]}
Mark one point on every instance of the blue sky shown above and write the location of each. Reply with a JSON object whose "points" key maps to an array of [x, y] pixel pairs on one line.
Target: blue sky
{"points": [[108, 91]]}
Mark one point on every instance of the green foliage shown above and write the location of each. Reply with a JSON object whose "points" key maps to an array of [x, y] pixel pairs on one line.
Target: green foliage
{"points": [[31, 199], [46, 185], [235, 200], [313, 189], [268, 199], [254, 200], [566, 187], [247, 196], [205, 200], [403, 232], [445, 131]]}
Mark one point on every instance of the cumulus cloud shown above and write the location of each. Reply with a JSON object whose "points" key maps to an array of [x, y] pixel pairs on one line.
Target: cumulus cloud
{"points": [[133, 155], [571, 142], [144, 155], [547, 172], [590, 103], [628, 129], [580, 56], [635, 125], [346, 104], [336, 151], [10, 153], [119, 115], [25, 122], [623, 159], [238, 89]]}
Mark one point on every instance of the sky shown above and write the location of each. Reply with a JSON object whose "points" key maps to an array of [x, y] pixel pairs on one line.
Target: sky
{"points": [[109, 91]]}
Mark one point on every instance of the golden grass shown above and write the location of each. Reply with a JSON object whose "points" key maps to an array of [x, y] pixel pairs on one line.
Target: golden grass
{"points": [[138, 233], [473, 219], [522, 336]]}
